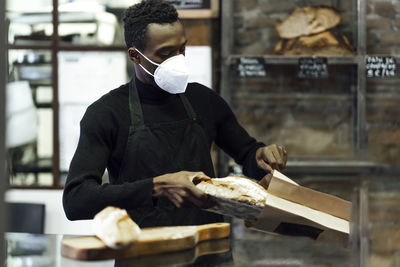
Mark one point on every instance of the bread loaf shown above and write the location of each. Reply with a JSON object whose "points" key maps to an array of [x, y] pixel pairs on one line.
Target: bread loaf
{"points": [[321, 45], [235, 188], [308, 20], [115, 228]]}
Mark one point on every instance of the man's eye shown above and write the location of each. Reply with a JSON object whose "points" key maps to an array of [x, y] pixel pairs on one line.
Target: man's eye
{"points": [[167, 54]]}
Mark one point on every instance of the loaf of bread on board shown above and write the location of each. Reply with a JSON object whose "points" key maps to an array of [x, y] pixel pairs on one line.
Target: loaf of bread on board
{"points": [[115, 228], [308, 20]]}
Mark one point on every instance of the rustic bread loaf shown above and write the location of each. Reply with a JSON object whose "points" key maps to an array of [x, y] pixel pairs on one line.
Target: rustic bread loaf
{"points": [[235, 188], [115, 228], [323, 44], [308, 20]]}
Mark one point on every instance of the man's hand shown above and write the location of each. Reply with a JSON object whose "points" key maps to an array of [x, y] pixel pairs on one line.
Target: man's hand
{"points": [[179, 188], [271, 157]]}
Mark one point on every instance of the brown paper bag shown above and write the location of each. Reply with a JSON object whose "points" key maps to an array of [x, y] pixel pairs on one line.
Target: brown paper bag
{"points": [[293, 209]]}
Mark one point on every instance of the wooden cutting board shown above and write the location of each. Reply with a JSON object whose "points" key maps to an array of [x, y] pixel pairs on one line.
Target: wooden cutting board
{"points": [[217, 247], [151, 241]]}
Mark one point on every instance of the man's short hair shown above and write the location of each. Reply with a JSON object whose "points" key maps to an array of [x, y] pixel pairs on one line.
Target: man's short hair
{"points": [[138, 16]]}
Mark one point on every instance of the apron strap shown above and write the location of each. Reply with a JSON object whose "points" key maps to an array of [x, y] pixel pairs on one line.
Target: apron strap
{"points": [[188, 107], [135, 107]]}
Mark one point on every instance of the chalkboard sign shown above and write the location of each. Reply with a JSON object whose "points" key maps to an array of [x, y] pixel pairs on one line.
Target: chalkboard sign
{"points": [[251, 67], [191, 4], [313, 67], [381, 66]]}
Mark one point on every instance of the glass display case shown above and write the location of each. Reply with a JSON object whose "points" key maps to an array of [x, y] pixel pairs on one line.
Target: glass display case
{"points": [[315, 118], [342, 117]]}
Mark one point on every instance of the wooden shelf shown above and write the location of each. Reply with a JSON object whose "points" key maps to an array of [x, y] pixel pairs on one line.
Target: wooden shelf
{"points": [[91, 48], [29, 47], [68, 47], [294, 60]]}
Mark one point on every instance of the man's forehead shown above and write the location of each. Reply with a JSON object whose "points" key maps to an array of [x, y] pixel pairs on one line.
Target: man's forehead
{"points": [[166, 34]]}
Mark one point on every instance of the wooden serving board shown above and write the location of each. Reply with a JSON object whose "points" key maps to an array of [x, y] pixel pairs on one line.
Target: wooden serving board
{"points": [[151, 241], [217, 247]]}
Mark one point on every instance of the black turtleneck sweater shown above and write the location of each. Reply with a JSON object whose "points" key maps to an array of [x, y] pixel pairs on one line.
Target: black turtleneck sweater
{"points": [[104, 135]]}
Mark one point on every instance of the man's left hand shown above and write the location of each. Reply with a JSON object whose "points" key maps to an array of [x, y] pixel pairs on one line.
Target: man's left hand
{"points": [[271, 157]]}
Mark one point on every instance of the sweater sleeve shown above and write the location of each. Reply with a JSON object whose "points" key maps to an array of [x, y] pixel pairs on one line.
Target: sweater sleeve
{"points": [[234, 139], [84, 194]]}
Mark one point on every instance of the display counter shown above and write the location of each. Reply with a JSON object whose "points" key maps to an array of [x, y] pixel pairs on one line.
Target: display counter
{"points": [[374, 236], [245, 247]]}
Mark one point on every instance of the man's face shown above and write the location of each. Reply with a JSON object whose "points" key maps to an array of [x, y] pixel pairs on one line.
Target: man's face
{"points": [[163, 41]]}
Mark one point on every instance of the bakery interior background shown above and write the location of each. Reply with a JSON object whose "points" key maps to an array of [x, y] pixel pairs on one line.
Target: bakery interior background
{"points": [[330, 97]]}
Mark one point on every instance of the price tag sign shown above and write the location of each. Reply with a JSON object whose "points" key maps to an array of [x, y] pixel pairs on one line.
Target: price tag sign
{"points": [[380, 66], [310, 67], [251, 67]]}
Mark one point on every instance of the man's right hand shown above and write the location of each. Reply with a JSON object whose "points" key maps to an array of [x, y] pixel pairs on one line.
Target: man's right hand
{"points": [[179, 188]]}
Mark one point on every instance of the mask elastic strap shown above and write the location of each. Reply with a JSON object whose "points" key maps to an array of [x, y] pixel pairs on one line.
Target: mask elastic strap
{"points": [[148, 72], [149, 60]]}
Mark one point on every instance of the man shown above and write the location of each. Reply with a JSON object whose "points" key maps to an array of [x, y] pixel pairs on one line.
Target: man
{"points": [[154, 134]]}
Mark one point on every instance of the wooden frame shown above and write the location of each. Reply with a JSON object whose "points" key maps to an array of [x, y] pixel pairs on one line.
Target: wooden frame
{"points": [[211, 13]]}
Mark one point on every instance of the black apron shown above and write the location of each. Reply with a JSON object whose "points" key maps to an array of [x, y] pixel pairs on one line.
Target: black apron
{"points": [[157, 149]]}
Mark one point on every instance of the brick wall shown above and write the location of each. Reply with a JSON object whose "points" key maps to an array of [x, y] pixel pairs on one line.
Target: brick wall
{"points": [[383, 32], [308, 116], [314, 118]]}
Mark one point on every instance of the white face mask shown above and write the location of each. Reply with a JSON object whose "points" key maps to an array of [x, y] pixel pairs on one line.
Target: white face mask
{"points": [[171, 75]]}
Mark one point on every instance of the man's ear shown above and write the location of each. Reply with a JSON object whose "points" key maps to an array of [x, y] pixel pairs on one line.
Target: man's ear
{"points": [[134, 55]]}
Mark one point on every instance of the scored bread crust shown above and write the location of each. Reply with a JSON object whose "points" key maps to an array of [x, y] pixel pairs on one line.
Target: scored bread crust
{"points": [[308, 20], [235, 188], [115, 228]]}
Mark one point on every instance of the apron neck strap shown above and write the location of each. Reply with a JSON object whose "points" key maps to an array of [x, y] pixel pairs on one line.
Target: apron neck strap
{"points": [[135, 107], [188, 107], [136, 111]]}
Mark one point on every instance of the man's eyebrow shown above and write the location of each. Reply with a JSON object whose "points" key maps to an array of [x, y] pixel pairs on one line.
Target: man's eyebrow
{"points": [[172, 47]]}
